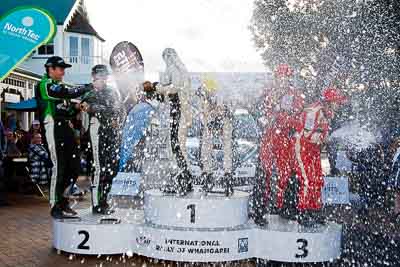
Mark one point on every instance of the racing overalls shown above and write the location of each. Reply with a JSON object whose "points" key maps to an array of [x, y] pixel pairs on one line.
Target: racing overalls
{"points": [[107, 116], [56, 112]]}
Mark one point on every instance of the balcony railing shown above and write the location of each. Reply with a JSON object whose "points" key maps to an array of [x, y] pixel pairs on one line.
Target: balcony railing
{"points": [[81, 68], [92, 60]]}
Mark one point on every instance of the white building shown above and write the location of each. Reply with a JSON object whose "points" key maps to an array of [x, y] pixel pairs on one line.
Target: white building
{"points": [[76, 41]]}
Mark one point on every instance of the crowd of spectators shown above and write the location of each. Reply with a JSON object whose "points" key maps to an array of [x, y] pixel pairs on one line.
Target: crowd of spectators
{"points": [[22, 148]]}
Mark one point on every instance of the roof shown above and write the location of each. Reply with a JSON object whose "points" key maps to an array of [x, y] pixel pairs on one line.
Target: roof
{"points": [[60, 9], [80, 24], [71, 13], [28, 73]]}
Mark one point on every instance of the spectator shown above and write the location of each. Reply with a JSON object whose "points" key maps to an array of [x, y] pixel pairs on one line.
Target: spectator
{"points": [[22, 141], [11, 122], [24, 138], [12, 150], [39, 161], [35, 128]]}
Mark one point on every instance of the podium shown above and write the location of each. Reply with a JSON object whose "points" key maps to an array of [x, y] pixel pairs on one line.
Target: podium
{"points": [[196, 228]]}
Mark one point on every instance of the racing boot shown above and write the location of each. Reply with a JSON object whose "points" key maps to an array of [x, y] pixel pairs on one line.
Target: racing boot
{"points": [[207, 182], [67, 209], [181, 184], [228, 181], [184, 183], [318, 217], [103, 208], [63, 211]]}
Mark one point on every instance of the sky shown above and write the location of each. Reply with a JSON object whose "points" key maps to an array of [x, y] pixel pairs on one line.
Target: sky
{"points": [[209, 35]]}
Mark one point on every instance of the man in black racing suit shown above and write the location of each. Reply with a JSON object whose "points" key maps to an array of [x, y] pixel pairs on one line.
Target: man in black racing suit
{"points": [[107, 115]]}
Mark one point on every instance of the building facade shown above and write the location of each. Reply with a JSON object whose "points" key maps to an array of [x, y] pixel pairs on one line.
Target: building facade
{"points": [[76, 41], [17, 87]]}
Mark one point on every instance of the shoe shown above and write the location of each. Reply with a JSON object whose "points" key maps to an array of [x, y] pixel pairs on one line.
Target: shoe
{"points": [[335, 172], [285, 213], [58, 213], [168, 189], [303, 218], [67, 209], [104, 209], [207, 182], [228, 184], [184, 183], [318, 218], [64, 206], [261, 221], [311, 219]]}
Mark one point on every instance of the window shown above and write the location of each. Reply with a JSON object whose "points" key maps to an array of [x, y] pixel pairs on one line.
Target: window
{"points": [[47, 49], [85, 50], [73, 49]]}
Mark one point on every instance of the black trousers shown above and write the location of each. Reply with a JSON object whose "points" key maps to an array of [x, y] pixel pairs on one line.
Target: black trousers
{"points": [[109, 143], [175, 106], [68, 159]]}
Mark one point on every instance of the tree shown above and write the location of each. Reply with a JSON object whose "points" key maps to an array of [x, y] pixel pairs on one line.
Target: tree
{"points": [[362, 35], [353, 44]]}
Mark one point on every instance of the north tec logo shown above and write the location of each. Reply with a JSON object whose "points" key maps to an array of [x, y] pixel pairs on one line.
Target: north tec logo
{"points": [[143, 241]]}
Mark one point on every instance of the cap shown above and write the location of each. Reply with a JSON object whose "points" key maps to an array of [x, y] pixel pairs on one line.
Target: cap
{"points": [[333, 95], [35, 122], [100, 69], [210, 85], [56, 61]]}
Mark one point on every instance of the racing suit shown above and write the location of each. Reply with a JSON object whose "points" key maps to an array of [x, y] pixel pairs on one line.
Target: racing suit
{"points": [[311, 133], [56, 112], [176, 84], [277, 146], [106, 119]]}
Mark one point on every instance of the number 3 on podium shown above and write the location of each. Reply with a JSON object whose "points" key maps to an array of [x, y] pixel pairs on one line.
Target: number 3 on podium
{"points": [[303, 243]]}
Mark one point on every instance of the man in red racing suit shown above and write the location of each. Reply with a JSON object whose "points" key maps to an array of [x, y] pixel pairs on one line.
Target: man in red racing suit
{"points": [[311, 134], [283, 105]]}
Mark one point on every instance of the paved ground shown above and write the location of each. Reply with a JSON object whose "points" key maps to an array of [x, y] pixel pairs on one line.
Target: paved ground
{"points": [[25, 240]]}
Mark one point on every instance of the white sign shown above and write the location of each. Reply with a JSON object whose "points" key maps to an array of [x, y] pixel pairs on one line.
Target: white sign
{"points": [[245, 171], [11, 98], [125, 184], [336, 190]]}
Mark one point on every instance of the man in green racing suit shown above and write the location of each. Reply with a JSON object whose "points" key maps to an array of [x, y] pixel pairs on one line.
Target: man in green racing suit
{"points": [[56, 112]]}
